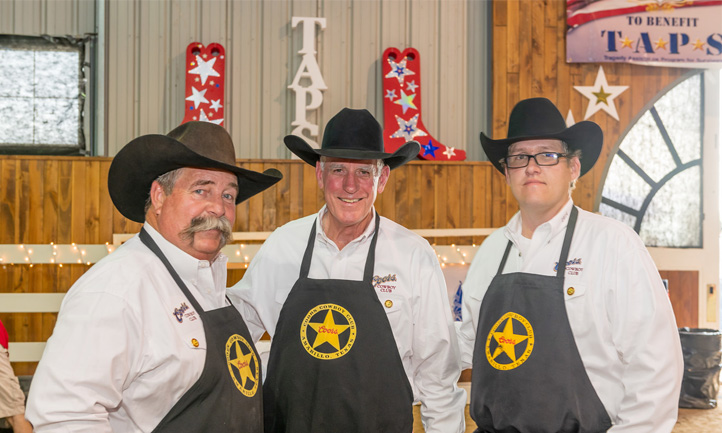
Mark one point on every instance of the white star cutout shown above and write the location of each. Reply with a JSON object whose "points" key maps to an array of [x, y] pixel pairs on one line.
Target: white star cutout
{"points": [[197, 97], [205, 69], [408, 130], [449, 152], [601, 96], [391, 94], [411, 86], [399, 71], [216, 104], [204, 118]]}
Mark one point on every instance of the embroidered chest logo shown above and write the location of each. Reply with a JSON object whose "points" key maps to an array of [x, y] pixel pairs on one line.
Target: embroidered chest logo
{"points": [[328, 331], [385, 284], [509, 342], [243, 365], [178, 312], [574, 267]]}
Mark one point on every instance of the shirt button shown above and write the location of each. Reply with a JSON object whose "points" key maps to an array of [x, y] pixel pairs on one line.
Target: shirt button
{"points": [[570, 291], [194, 342], [389, 303]]}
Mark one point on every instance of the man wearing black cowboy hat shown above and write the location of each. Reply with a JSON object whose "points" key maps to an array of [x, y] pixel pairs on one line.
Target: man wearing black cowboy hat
{"points": [[356, 305], [566, 323], [146, 339]]}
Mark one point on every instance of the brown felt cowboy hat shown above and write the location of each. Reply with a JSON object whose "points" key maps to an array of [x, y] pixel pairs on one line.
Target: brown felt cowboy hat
{"points": [[193, 144], [352, 134], [538, 118]]}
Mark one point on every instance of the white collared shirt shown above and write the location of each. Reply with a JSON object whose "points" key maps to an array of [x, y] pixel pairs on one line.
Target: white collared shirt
{"points": [[619, 313], [127, 344], [407, 273]]}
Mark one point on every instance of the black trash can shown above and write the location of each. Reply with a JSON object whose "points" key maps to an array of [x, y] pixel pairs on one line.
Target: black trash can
{"points": [[702, 351]]}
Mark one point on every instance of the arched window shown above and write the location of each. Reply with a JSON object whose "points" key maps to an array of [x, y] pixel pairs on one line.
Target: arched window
{"points": [[654, 183]]}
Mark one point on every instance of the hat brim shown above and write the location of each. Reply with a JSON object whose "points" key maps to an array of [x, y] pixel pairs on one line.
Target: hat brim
{"points": [[141, 161], [584, 136], [311, 156]]}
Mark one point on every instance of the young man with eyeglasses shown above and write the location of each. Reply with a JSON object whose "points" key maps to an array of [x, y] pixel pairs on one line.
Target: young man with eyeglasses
{"points": [[566, 323]]}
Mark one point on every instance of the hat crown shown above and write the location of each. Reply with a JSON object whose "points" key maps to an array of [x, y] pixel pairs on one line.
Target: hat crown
{"points": [[535, 117], [206, 139], [353, 130]]}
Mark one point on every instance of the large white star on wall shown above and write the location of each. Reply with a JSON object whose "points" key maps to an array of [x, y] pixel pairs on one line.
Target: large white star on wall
{"points": [[601, 96], [205, 69]]}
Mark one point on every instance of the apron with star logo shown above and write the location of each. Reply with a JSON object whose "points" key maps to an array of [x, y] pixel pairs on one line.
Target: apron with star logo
{"points": [[227, 397], [527, 374], [334, 365]]}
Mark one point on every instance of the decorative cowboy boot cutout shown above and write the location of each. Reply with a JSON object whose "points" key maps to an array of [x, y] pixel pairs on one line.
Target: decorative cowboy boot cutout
{"points": [[205, 83], [402, 107]]}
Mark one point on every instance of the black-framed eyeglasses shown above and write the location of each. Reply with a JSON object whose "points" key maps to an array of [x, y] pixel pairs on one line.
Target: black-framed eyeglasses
{"points": [[542, 159]]}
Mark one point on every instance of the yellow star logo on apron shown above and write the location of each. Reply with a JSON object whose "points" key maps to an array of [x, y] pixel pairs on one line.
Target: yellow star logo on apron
{"points": [[327, 332], [243, 364], [507, 339]]}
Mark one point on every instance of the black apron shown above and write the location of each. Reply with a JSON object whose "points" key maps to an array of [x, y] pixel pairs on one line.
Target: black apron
{"points": [[527, 374], [227, 397], [334, 365]]}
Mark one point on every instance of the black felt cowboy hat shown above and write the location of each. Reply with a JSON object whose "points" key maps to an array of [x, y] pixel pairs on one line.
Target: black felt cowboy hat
{"points": [[193, 144], [352, 134], [538, 118]]}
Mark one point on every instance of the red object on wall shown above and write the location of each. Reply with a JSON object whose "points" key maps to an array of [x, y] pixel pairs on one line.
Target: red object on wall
{"points": [[4, 338], [401, 74], [205, 83]]}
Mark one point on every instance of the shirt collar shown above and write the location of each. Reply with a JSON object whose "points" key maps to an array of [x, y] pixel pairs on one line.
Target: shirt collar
{"points": [[549, 229], [320, 234], [183, 263]]}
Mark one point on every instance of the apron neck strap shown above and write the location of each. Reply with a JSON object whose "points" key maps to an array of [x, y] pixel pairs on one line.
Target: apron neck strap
{"points": [[150, 243], [503, 258], [370, 258], [562, 265]]}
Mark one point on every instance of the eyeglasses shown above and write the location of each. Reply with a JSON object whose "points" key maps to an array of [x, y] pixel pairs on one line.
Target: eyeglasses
{"points": [[542, 159]]}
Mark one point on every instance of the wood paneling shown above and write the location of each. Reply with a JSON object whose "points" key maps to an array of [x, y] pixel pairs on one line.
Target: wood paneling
{"points": [[683, 293], [529, 61], [65, 200]]}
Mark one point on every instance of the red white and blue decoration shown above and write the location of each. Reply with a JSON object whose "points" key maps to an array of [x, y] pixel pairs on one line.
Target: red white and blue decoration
{"points": [[402, 107], [205, 83]]}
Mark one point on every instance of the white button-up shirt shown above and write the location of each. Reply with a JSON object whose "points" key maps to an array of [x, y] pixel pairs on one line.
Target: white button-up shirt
{"points": [[406, 272], [127, 344], [619, 313]]}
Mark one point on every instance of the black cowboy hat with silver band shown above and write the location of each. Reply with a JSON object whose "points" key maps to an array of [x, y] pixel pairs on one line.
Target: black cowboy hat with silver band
{"points": [[193, 144], [352, 134], [538, 118]]}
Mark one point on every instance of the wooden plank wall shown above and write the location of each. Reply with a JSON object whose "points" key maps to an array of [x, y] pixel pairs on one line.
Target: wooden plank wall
{"points": [[65, 200], [682, 286], [528, 57]]}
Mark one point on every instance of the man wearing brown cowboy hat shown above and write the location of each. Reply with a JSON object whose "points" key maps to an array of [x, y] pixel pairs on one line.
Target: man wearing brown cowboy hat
{"points": [[356, 305], [146, 339], [566, 322]]}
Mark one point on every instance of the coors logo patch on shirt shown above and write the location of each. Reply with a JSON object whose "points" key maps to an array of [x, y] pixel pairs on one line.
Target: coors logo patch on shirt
{"points": [[385, 284]]}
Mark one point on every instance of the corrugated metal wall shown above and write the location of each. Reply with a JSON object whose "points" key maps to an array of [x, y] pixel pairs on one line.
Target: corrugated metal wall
{"points": [[145, 52]]}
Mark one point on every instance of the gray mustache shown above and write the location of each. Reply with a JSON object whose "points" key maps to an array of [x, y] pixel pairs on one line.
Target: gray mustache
{"points": [[203, 223]]}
